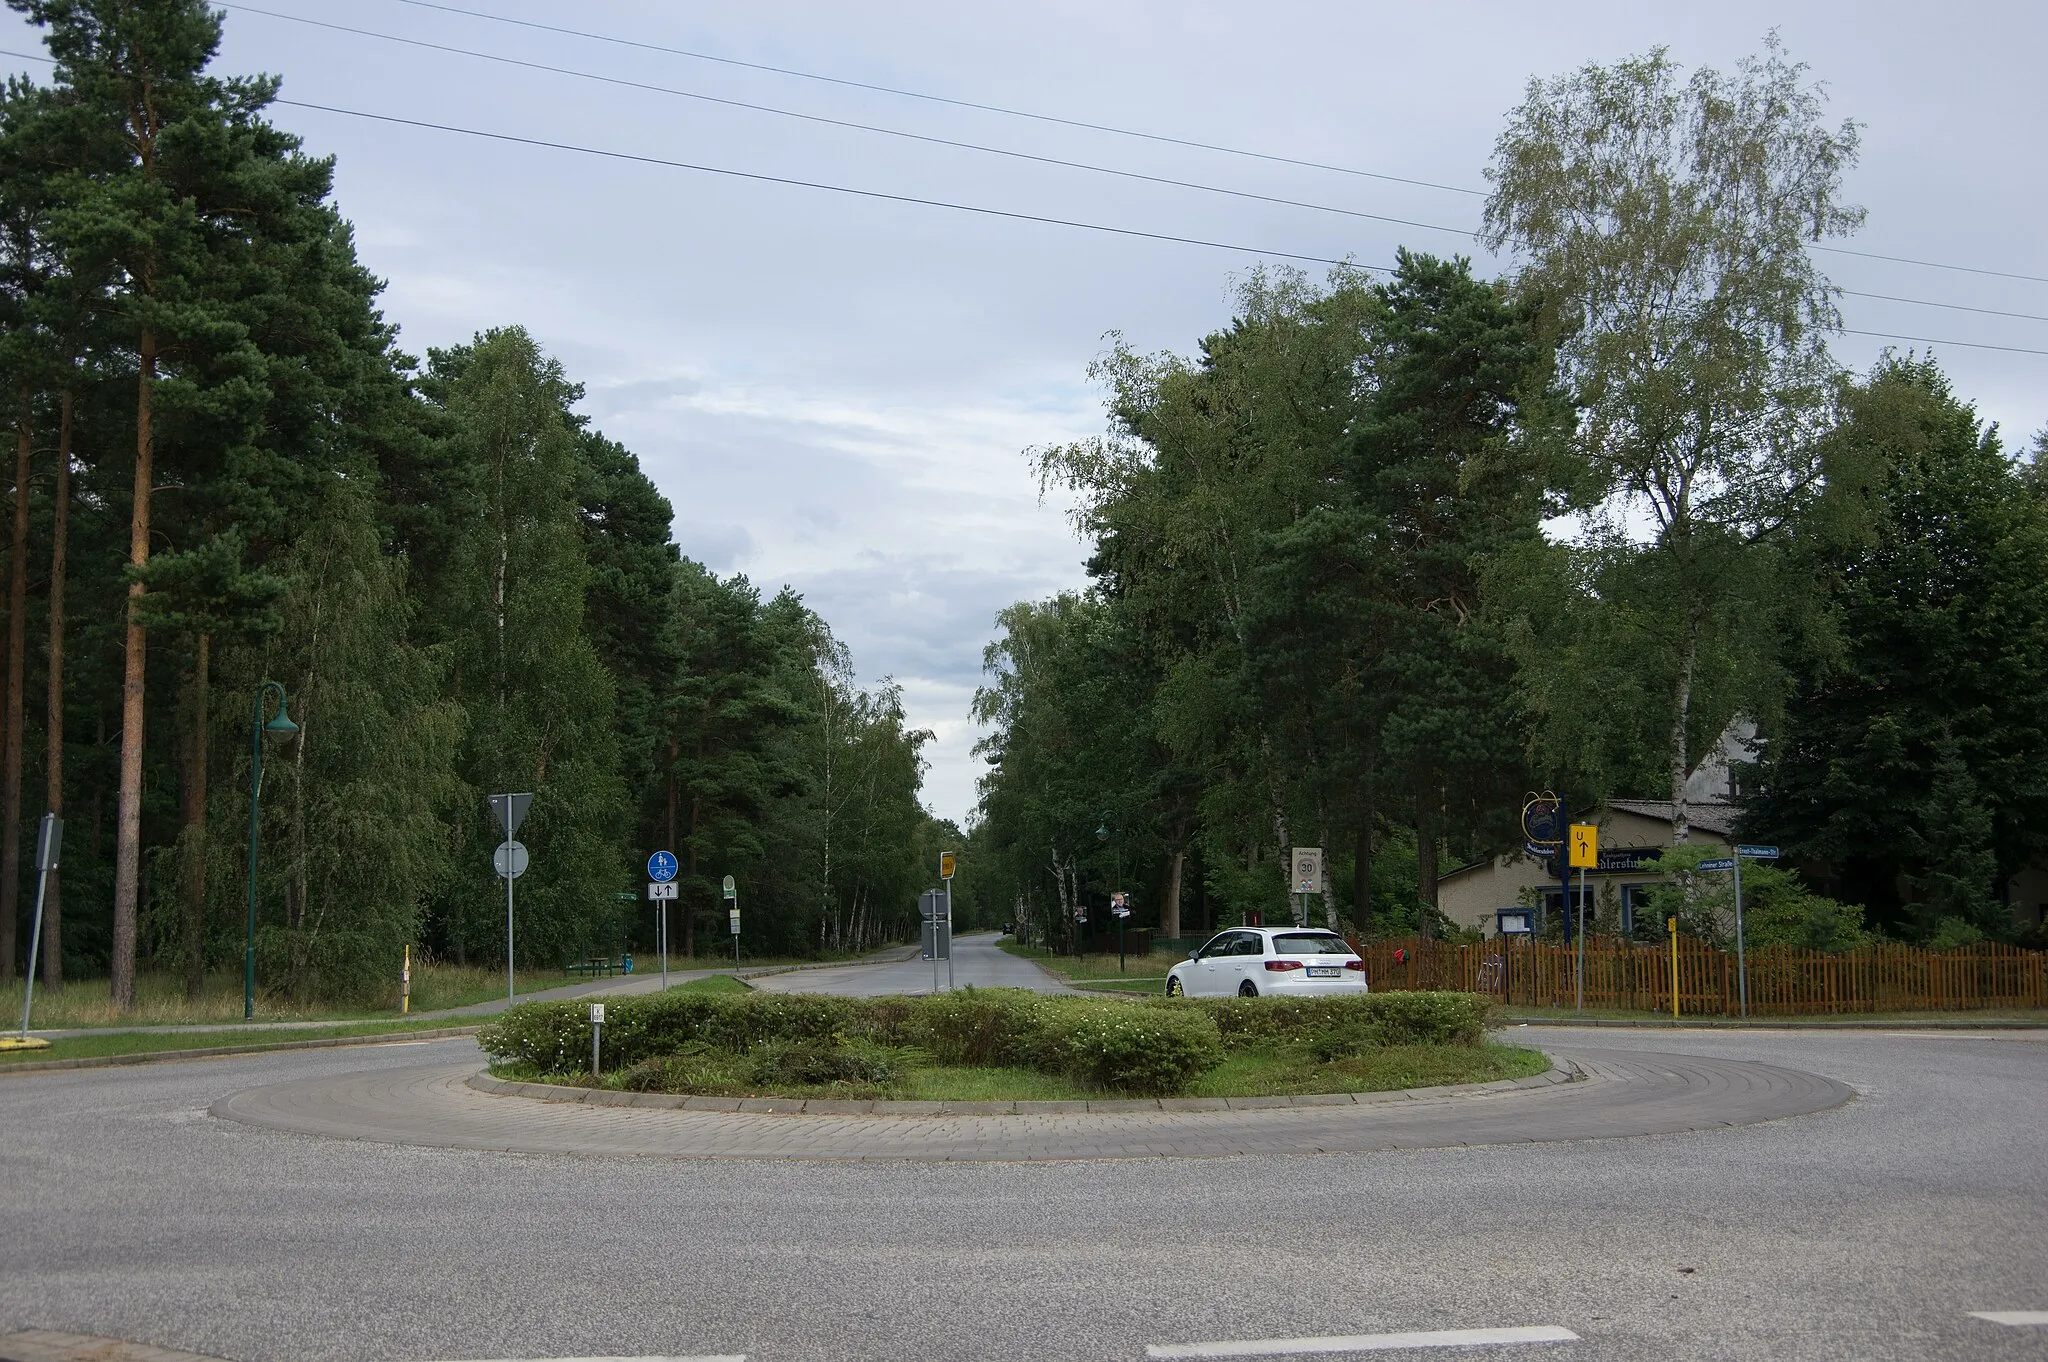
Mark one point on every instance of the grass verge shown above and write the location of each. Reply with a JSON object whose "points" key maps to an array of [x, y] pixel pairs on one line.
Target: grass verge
{"points": [[1082, 968], [148, 1043]]}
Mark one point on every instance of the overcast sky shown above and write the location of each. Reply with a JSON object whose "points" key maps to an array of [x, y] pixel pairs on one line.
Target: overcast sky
{"points": [[836, 392]]}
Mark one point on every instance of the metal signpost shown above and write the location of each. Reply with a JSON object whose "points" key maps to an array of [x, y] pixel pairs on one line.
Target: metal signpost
{"points": [[1671, 925], [937, 932], [1308, 877], [947, 863], [596, 1031], [732, 917], [661, 889], [509, 860], [1745, 851], [1543, 832], [49, 838], [283, 726], [1585, 854]]}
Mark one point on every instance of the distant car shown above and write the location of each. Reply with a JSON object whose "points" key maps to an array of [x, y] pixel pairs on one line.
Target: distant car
{"points": [[1278, 961]]}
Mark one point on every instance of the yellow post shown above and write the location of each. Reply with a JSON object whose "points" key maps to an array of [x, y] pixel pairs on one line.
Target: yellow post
{"points": [[405, 982], [1671, 925]]}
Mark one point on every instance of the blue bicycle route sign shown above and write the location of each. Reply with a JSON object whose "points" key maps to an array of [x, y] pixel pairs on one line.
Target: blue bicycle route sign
{"points": [[661, 867]]}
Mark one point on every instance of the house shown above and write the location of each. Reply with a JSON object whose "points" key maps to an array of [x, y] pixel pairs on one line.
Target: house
{"points": [[1632, 832]]}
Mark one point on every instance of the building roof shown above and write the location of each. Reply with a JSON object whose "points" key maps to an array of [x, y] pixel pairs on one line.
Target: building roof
{"points": [[1716, 817]]}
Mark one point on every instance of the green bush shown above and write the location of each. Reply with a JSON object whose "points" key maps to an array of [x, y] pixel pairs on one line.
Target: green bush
{"points": [[1365, 1021], [1145, 1050], [713, 1043]]}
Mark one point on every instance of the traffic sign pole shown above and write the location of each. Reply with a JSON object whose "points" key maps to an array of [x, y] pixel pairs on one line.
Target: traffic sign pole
{"points": [[1741, 949]]}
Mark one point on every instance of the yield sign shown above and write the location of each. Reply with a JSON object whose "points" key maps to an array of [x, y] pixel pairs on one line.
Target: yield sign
{"points": [[511, 811]]}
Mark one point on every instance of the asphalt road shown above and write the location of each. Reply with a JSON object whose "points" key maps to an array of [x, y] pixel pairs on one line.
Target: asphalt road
{"points": [[1866, 1231], [977, 961]]}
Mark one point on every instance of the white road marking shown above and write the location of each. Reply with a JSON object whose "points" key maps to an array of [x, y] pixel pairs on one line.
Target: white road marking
{"points": [[2019, 1319], [693, 1357], [1364, 1343]]}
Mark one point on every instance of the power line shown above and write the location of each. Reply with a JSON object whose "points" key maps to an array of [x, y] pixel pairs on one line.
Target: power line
{"points": [[1954, 307], [834, 188], [967, 146], [942, 99], [1929, 340], [1932, 264], [1094, 127], [977, 209], [846, 123]]}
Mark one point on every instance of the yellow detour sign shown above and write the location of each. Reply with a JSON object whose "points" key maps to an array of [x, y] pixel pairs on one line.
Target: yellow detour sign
{"points": [[945, 865], [1585, 846]]}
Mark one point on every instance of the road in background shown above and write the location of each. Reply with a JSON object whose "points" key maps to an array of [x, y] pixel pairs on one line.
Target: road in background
{"points": [[977, 961]]}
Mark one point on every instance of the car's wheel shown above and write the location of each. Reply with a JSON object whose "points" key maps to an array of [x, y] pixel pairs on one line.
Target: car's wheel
{"points": [[1247, 989], [1173, 988]]}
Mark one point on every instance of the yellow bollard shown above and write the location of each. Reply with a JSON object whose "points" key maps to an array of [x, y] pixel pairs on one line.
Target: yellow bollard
{"points": [[1671, 925]]}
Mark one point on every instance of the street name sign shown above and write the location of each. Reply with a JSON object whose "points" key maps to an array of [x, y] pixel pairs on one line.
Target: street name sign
{"points": [[1719, 863], [1756, 853]]}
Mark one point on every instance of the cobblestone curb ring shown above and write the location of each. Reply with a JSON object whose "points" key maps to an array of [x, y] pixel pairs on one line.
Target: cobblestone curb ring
{"points": [[1611, 1093]]}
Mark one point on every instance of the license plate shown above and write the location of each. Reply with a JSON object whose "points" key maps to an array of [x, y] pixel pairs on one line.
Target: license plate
{"points": [[1324, 972]]}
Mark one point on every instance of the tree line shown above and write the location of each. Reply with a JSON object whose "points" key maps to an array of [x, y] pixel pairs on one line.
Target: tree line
{"points": [[227, 472], [1385, 554]]}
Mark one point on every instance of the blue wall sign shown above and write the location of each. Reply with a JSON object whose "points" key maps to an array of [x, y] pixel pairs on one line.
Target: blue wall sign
{"points": [[661, 867]]}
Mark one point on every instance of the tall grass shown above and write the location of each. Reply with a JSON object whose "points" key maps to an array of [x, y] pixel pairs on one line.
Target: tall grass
{"points": [[160, 998]]}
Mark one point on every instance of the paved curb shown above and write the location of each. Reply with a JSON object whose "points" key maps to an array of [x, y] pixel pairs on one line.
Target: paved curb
{"points": [[813, 1106], [1779, 1024], [214, 1051]]}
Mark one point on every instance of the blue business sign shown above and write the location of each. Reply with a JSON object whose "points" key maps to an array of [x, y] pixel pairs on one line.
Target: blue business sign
{"points": [[661, 867]]}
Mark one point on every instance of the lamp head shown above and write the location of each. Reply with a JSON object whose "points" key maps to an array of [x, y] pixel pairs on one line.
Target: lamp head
{"points": [[1102, 833], [282, 724]]}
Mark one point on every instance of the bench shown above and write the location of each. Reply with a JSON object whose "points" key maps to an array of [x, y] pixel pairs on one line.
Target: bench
{"points": [[593, 967]]}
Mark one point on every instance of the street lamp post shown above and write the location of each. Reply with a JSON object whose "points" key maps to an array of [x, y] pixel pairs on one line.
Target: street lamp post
{"points": [[281, 725]]}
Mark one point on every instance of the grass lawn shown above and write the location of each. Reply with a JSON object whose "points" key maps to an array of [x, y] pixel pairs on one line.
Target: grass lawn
{"points": [[713, 983], [131, 1043]]}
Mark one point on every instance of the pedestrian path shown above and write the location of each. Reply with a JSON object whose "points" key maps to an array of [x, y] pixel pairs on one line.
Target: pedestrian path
{"points": [[978, 962]]}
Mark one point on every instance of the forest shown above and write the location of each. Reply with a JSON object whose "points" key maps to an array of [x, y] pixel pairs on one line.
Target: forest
{"points": [[1389, 552], [227, 473]]}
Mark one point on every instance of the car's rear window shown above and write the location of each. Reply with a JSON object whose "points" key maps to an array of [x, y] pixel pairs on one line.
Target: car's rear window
{"points": [[1309, 943]]}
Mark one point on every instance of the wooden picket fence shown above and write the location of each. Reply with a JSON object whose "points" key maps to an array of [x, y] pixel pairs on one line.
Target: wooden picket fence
{"points": [[1633, 976]]}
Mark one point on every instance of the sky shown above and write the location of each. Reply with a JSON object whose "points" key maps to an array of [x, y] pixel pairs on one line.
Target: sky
{"points": [[837, 392]]}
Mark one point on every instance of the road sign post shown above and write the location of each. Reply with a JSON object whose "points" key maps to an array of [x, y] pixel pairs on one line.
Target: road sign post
{"points": [[661, 874], [1585, 854], [947, 864], [596, 1030], [732, 917], [511, 812], [1745, 851], [49, 840], [1671, 925]]}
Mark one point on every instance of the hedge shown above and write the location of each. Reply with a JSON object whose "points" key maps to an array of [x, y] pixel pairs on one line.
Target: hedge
{"points": [[1154, 1047]]}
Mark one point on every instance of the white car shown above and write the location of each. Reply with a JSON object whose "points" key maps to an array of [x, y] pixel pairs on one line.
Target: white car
{"points": [[1280, 961]]}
